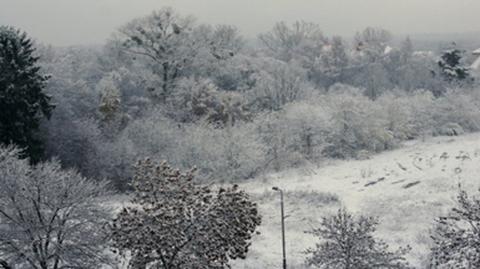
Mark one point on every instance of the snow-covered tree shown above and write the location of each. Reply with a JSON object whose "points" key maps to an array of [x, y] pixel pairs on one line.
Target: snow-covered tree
{"points": [[277, 84], [164, 41], [49, 218], [348, 242], [298, 41], [175, 223], [112, 118], [452, 68], [372, 42], [197, 99], [23, 100], [455, 237], [356, 126], [301, 43], [331, 66]]}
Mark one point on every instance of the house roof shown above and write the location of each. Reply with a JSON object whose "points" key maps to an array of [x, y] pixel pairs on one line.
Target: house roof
{"points": [[476, 64]]}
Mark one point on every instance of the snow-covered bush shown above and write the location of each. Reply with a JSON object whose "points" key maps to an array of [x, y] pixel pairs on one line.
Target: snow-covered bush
{"points": [[347, 241], [220, 154], [294, 135], [356, 126]]}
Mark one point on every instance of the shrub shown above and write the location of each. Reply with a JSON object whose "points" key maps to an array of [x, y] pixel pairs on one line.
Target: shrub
{"points": [[347, 242]]}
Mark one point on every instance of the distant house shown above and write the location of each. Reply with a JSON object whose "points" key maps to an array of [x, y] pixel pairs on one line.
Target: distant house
{"points": [[476, 64], [424, 53]]}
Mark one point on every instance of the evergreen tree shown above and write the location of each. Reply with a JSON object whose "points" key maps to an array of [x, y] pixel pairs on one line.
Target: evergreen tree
{"points": [[22, 100], [451, 66]]}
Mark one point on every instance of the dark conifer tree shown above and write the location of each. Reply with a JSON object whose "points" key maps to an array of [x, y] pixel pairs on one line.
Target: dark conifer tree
{"points": [[451, 66], [23, 102]]}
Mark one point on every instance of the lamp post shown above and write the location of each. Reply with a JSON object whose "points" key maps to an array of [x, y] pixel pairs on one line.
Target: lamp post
{"points": [[283, 226]]}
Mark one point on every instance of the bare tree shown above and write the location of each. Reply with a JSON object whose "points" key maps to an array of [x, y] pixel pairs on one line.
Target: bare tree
{"points": [[174, 223], [49, 218], [301, 41], [164, 40], [372, 41]]}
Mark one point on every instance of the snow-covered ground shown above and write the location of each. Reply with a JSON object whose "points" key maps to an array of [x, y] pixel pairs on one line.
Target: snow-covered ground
{"points": [[407, 188]]}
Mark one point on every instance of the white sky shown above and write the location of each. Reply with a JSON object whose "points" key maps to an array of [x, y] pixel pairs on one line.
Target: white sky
{"points": [[67, 22]]}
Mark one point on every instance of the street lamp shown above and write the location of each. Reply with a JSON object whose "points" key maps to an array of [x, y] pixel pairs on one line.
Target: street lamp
{"points": [[283, 226]]}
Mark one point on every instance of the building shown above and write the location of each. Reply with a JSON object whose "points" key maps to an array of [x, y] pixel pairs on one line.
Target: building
{"points": [[476, 64]]}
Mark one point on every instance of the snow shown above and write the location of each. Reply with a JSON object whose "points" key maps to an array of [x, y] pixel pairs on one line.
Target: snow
{"points": [[476, 64], [424, 53], [476, 52], [387, 50], [407, 188]]}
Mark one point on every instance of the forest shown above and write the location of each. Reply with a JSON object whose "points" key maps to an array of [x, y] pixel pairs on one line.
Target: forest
{"points": [[175, 115]]}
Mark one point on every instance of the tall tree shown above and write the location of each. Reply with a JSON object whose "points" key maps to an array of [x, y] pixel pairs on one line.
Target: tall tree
{"points": [[302, 41], [164, 41], [175, 224], [22, 99], [372, 42], [452, 68]]}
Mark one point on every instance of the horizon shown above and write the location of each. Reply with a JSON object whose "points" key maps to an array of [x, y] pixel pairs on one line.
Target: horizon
{"points": [[64, 23]]}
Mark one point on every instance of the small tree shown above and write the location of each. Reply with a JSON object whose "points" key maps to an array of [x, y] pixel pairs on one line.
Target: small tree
{"points": [[174, 223], [348, 243], [456, 236], [451, 66], [49, 218], [22, 99]]}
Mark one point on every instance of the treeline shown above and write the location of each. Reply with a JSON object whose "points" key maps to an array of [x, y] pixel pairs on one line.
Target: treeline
{"points": [[198, 95]]}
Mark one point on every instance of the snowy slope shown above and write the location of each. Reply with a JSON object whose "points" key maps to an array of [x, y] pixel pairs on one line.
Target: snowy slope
{"points": [[407, 188]]}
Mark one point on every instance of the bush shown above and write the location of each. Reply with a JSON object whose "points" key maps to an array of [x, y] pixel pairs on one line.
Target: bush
{"points": [[347, 242]]}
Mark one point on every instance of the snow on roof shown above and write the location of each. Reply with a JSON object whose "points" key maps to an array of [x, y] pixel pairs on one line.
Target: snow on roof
{"points": [[387, 50], [424, 53], [476, 64], [476, 52], [326, 47]]}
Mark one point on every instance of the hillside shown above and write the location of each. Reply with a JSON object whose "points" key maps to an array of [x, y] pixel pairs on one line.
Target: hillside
{"points": [[406, 188]]}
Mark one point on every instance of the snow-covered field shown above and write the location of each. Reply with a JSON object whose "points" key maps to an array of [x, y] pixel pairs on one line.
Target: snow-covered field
{"points": [[407, 188]]}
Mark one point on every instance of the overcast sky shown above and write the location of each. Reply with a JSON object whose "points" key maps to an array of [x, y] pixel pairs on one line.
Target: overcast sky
{"points": [[67, 22]]}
